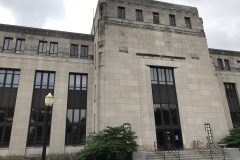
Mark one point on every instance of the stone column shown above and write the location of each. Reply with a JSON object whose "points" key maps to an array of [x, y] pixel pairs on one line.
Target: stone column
{"points": [[58, 125], [22, 113]]}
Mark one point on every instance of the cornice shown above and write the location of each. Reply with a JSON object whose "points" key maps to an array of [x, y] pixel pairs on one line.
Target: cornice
{"points": [[45, 32], [224, 52], [163, 6], [153, 27]]}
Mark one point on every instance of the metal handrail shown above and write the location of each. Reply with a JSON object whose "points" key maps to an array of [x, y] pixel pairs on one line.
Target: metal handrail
{"points": [[159, 150], [200, 145], [216, 149], [173, 149]]}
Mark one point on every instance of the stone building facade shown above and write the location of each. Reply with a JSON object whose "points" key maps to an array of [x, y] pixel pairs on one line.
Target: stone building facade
{"points": [[145, 62]]}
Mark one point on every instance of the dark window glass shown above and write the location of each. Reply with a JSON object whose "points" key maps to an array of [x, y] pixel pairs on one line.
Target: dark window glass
{"points": [[220, 64], [44, 84], [157, 114], [164, 97], [84, 52], [227, 66], [76, 113], [20, 45], [121, 12], [53, 48], [74, 51], [188, 22], [7, 44], [42, 48], [155, 18], [139, 15], [8, 94], [233, 103], [172, 20]]}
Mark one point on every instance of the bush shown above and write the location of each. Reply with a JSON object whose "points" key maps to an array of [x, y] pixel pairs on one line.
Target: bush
{"points": [[113, 143], [233, 139]]}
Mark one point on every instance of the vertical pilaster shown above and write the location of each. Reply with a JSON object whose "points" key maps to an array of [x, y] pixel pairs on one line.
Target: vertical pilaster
{"points": [[22, 113]]}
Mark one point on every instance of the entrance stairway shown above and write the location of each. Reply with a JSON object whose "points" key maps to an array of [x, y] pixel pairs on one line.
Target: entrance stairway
{"points": [[203, 152], [187, 155]]}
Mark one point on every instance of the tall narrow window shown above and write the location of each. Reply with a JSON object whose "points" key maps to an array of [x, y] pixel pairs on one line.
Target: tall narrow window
{"points": [[165, 107], [220, 64], [121, 12], [139, 15], [20, 45], [76, 112], [233, 103], [8, 94], [53, 48], [84, 52], [227, 66], [164, 96], [155, 18], [44, 84], [172, 20], [74, 51], [7, 44], [188, 22], [42, 48]]}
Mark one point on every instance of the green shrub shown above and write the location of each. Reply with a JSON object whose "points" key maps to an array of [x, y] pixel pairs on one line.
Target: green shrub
{"points": [[109, 144], [233, 139]]}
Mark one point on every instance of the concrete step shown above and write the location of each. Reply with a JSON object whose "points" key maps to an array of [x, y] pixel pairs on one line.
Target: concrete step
{"points": [[187, 155]]}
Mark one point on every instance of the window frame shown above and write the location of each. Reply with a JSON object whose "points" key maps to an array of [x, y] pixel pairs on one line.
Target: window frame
{"points": [[231, 94], [121, 12], [139, 15], [44, 45], [188, 22], [172, 20], [9, 43], [10, 108], [227, 65], [72, 107], [84, 51], [40, 109], [156, 19], [54, 44], [220, 64], [22, 45], [71, 55]]}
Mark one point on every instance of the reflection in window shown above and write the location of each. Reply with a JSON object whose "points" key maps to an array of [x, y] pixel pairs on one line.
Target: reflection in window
{"points": [[42, 48], [8, 93], [44, 84], [7, 44], [74, 51], [20, 45], [76, 113], [164, 96], [53, 48], [233, 103], [84, 52]]}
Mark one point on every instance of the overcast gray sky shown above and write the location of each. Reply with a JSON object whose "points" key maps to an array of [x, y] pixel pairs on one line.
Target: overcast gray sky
{"points": [[221, 17]]}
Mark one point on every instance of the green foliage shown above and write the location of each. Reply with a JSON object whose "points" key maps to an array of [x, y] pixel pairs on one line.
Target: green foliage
{"points": [[108, 144], [233, 139]]}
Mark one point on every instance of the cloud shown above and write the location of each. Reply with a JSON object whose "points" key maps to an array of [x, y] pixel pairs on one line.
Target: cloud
{"points": [[34, 13]]}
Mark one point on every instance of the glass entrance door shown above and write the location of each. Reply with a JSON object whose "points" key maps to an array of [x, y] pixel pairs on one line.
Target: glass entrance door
{"points": [[172, 136]]}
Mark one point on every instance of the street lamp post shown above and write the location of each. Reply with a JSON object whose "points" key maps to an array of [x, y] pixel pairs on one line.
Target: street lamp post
{"points": [[48, 103]]}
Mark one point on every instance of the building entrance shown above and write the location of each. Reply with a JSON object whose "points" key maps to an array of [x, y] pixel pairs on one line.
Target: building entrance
{"points": [[172, 136]]}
